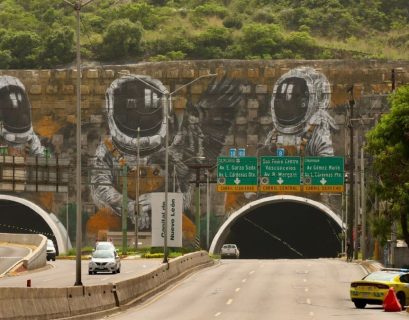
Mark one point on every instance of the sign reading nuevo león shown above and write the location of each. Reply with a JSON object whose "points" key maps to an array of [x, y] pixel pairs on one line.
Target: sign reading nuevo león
{"points": [[324, 174], [237, 174], [280, 174]]}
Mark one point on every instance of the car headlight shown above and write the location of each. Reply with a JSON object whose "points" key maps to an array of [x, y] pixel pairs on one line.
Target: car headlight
{"points": [[111, 264]]}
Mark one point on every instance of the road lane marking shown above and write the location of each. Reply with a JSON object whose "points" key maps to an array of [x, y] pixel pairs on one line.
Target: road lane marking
{"points": [[217, 314], [305, 280], [237, 289], [311, 314], [251, 272], [229, 301], [103, 279], [308, 301], [244, 280], [306, 290]]}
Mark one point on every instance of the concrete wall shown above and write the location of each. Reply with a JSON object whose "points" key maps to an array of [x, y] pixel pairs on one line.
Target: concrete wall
{"points": [[38, 256], [54, 303], [208, 118]]}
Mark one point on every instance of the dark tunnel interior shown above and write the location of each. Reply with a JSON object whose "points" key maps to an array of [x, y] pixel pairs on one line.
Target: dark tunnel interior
{"points": [[18, 218], [286, 230]]}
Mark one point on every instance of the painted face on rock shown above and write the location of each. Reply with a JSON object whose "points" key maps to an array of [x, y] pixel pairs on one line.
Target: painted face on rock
{"points": [[137, 105], [291, 101]]}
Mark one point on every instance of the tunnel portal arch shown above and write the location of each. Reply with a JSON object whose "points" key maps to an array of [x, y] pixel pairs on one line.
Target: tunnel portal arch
{"points": [[59, 235], [224, 230]]}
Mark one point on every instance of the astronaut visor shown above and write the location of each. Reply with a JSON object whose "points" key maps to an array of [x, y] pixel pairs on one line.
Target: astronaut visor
{"points": [[15, 109], [137, 105], [291, 101]]}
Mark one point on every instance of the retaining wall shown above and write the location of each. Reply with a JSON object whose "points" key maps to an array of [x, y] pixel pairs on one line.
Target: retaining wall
{"points": [[38, 257], [54, 303]]}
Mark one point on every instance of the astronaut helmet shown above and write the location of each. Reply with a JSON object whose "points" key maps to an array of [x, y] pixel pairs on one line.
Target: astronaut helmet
{"points": [[15, 111], [297, 95], [132, 102]]}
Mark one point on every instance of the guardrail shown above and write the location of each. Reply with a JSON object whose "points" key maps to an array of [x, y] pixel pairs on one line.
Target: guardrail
{"points": [[90, 302]]}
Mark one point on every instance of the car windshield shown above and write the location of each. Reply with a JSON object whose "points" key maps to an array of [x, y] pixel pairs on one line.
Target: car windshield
{"points": [[50, 243], [104, 246], [103, 254], [380, 276], [229, 246]]}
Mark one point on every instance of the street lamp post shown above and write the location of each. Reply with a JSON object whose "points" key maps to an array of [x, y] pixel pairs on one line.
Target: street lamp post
{"points": [[78, 237]]}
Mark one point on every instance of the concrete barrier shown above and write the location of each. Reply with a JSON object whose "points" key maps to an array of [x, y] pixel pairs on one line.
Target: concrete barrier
{"points": [[91, 302], [33, 303], [38, 257], [128, 291]]}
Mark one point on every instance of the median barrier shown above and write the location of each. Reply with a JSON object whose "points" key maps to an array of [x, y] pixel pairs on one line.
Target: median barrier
{"points": [[92, 302], [136, 289], [88, 299], [33, 303]]}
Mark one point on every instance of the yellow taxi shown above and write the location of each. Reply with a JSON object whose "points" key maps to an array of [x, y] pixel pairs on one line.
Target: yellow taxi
{"points": [[373, 288]]}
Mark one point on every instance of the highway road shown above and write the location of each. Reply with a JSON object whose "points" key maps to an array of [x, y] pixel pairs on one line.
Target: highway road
{"points": [[9, 255], [262, 289], [61, 273]]}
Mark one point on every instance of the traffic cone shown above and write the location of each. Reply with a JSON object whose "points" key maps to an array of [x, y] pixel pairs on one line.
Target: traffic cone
{"points": [[391, 302]]}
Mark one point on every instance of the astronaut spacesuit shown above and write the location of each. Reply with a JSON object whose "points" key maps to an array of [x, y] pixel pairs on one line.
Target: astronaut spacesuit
{"points": [[15, 114], [134, 101], [301, 123]]}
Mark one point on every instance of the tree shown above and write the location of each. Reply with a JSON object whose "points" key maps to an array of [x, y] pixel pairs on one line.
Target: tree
{"points": [[388, 143], [58, 47], [24, 47], [122, 39]]}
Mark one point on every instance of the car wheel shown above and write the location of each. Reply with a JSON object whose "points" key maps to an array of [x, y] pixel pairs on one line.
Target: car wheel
{"points": [[119, 270], [53, 259], [89, 272], [360, 304], [402, 299], [114, 271]]}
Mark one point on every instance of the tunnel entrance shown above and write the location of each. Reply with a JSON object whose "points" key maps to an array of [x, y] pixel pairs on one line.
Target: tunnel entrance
{"points": [[282, 228], [18, 215]]}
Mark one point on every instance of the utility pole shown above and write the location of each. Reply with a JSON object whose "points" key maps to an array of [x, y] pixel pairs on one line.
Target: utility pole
{"points": [[124, 207], [137, 189], [351, 103], [363, 205]]}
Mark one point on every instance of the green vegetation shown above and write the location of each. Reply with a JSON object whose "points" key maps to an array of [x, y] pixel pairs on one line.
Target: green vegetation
{"points": [[40, 33], [388, 143]]}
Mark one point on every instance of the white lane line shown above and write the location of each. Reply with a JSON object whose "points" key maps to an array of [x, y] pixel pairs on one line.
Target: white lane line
{"points": [[237, 289], [308, 301], [244, 280], [251, 272], [305, 280], [306, 289], [311, 313], [229, 301], [217, 314]]}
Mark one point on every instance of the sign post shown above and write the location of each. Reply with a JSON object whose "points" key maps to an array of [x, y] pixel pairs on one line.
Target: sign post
{"points": [[324, 174], [237, 174], [280, 174]]}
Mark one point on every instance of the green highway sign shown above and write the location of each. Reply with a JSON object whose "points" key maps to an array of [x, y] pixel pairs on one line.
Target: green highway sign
{"points": [[323, 174], [237, 174], [280, 174]]}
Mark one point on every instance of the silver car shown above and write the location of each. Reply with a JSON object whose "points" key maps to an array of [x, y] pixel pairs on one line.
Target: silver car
{"points": [[104, 261]]}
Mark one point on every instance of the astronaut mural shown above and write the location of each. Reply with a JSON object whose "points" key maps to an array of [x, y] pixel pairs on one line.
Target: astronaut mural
{"points": [[299, 110], [137, 101], [15, 115]]}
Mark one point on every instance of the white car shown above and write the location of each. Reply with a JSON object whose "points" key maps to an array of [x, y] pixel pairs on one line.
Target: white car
{"points": [[51, 252], [229, 250], [104, 261]]}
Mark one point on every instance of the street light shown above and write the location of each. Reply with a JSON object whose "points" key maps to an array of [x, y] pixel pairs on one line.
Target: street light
{"points": [[167, 97]]}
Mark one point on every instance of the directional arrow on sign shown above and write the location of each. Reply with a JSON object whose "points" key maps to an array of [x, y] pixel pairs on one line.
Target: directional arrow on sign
{"points": [[323, 181], [280, 181], [237, 180]]}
